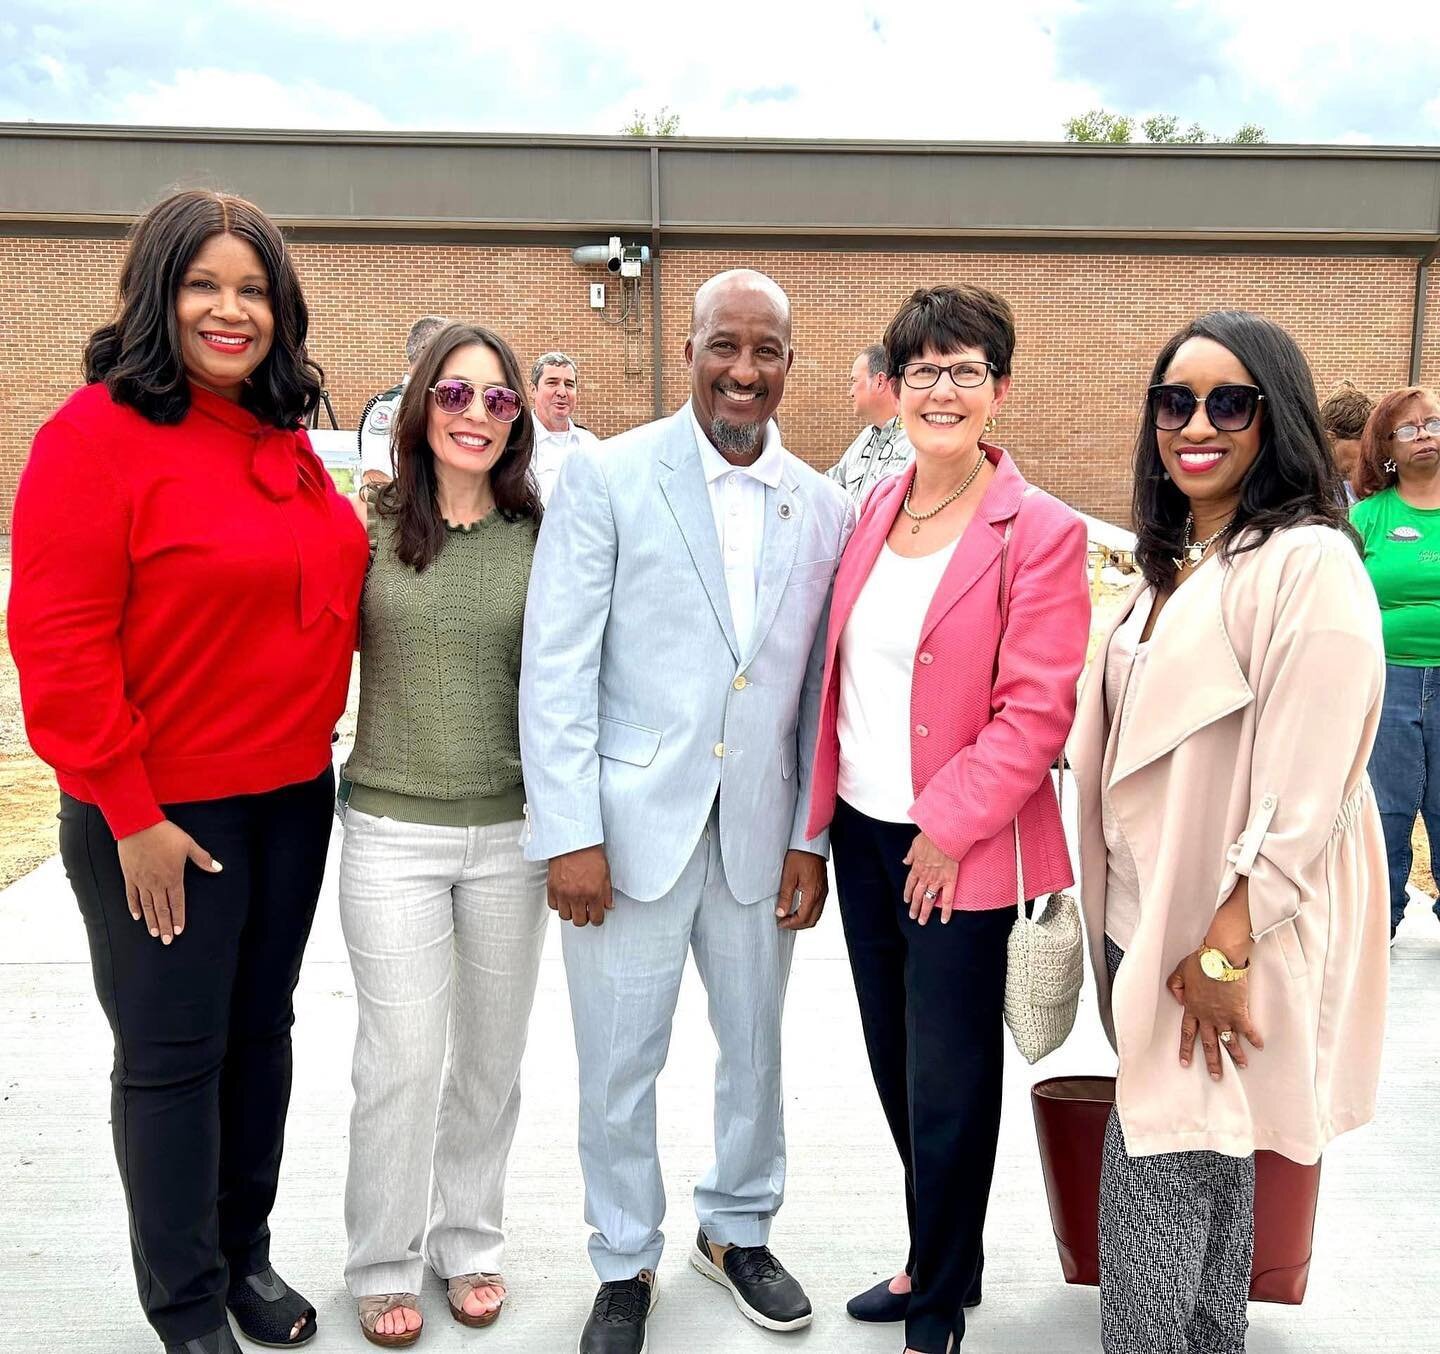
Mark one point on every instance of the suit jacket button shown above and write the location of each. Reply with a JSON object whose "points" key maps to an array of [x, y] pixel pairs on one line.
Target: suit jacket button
{"points": [[741, 682], [719, 749], [926, 658], [921, 731]]}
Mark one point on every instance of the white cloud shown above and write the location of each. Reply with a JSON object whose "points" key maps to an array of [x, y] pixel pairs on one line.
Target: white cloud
{"points": [[212, 97]]}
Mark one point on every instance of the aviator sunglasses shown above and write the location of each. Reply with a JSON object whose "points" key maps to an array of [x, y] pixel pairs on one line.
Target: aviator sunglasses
{"points": [[455, 395], [1229, 409]]}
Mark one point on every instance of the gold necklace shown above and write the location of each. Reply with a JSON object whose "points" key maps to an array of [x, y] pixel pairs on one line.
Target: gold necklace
{"points": [[918, 517], [1193, 552]]}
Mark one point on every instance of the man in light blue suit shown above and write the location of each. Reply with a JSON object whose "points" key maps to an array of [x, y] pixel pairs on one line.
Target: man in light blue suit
{"points": [[674, 638]]}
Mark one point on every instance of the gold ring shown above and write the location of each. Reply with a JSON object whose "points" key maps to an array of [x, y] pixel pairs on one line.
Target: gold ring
{"points": [[1227, 1036]]}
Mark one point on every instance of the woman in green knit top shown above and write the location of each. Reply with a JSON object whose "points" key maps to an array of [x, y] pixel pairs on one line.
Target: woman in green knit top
{"points": [[443, 917], [1397, 485]]}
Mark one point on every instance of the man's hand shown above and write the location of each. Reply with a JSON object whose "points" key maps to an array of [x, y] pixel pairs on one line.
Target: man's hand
{"points": [[803, 886], [578, 886]]}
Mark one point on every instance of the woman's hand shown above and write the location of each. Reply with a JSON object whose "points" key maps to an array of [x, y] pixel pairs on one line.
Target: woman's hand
{"points": [[153, 863], [1212, 1010], [931, 882]]}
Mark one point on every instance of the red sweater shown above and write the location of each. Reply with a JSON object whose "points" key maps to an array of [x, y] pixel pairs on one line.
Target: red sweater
{"points": [[183, 606]]}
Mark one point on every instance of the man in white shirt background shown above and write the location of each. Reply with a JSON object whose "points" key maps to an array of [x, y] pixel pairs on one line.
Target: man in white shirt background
{"points": [[378, 415], [882, 448], [554, 393]]}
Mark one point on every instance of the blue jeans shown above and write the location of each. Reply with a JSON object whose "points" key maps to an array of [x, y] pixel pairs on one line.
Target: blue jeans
{"points": [[1405, 769]]}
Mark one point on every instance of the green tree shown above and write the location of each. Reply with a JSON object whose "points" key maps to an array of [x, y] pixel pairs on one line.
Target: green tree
{"points": [[661, 123], [1098, 125], [1161, 129]]}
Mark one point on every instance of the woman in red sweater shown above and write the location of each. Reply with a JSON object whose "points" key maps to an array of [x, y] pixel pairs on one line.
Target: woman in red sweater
{"points": [[183, 615]]}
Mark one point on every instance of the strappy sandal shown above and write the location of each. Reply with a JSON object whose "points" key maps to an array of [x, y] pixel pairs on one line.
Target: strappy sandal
{"points": [[372, 1308], [267, 1309], [461, 1286]]}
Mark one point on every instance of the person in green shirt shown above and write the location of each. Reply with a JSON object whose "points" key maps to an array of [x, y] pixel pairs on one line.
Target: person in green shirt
{"points": [[443, 917], [1397, 485]]}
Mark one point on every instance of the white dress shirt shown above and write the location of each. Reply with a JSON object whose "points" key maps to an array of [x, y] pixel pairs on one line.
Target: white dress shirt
{"points": [[550, 452], [876, 660], [737, 499]]}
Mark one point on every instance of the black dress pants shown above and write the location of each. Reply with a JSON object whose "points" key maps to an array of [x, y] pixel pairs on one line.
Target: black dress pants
{"points": [[201, 1081], [932, 1009]]}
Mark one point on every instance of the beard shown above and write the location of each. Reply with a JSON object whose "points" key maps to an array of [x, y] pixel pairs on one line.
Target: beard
{"points": [[738, 439]]}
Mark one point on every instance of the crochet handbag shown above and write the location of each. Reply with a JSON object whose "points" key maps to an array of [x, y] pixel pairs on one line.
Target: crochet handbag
{"points": [[1045, 967]]}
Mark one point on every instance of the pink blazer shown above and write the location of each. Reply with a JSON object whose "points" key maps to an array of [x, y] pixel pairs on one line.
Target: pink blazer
{"points": [[982, 733]]}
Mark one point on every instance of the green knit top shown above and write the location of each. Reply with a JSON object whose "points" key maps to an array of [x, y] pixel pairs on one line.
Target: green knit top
{"points": [[437, 739]]}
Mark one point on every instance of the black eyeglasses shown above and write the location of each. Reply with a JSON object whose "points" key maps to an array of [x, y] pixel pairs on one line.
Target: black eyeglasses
{"points": [[1228, 409], [967, 374], [1410, 432]]}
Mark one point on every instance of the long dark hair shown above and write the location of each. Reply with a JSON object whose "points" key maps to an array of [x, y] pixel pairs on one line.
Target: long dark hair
{"points": [[1293, 480], [137, 354], [410, 496]]}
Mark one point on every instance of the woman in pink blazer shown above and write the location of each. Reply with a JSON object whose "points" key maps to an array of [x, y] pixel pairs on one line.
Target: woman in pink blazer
{"points": [[937, 731]]}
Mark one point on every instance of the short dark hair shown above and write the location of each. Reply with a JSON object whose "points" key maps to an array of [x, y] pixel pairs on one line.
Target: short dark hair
{"points": [[1293, 481], [137, 354], [947, 318], [1370, 475], [1343, 415], [410, 496], [874, 357]]}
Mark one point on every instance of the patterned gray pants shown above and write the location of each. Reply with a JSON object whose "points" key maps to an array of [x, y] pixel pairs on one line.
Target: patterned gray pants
{"points": [[1177, 1233]]}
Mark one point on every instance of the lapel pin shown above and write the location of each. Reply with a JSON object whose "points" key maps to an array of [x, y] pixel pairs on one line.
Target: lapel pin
{"points": [[784, 511]]}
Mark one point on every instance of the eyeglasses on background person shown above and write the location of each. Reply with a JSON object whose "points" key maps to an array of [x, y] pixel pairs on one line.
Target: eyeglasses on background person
{"points": [[1409, 432]]}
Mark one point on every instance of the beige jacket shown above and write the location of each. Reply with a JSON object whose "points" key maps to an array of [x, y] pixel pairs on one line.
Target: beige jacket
{"points": [[1245, 754]]}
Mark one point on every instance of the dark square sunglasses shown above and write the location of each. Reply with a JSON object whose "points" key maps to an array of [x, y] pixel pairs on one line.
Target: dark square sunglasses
{"points": [[455, 395], [1229, 409]]}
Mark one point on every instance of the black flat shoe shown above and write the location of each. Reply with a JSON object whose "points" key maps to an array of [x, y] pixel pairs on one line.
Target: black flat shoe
{"points": [[880, 1304]]}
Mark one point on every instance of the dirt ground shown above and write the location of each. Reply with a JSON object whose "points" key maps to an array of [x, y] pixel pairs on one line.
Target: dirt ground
{"points": [[28, 794]]}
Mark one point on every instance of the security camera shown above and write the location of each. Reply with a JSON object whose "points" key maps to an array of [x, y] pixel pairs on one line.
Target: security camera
{"points": [[614, 255]]}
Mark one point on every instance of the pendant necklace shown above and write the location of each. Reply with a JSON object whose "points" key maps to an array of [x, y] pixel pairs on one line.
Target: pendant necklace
{"points": [[1194, 551], [918, 517]]}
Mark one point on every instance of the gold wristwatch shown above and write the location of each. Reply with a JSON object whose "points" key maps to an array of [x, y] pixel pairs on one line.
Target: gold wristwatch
{"points": [[1214, 964]]}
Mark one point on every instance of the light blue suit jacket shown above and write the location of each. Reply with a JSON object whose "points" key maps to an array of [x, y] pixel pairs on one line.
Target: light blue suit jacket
{"points": [[637, 705]]}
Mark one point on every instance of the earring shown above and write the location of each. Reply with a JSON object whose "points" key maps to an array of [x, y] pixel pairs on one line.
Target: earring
{"points": [[989, 425], [1390, 467]]}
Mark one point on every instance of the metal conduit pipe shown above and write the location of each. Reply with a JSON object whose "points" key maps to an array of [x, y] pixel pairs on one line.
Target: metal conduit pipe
{"points": [[1417, 324]]}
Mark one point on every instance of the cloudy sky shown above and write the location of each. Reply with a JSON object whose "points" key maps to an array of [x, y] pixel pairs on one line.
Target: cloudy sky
{"points": [[1316, 71]]}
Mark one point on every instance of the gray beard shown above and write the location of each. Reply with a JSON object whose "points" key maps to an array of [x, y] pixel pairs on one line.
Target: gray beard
{"points": [[738, 439]]}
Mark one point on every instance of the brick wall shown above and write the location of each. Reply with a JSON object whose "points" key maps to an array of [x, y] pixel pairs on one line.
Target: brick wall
{"points": [[1089, 325]]}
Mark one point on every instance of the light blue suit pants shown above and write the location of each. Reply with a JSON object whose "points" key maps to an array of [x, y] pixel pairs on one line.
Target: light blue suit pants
{"points": [[624, 979]]}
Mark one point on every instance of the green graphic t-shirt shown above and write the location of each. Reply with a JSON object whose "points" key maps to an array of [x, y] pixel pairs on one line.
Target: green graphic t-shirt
{"points": [[1402, 555]]}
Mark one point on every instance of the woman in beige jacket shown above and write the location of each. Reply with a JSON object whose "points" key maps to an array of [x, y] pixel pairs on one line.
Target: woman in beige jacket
{"points": [[1231, 852]]}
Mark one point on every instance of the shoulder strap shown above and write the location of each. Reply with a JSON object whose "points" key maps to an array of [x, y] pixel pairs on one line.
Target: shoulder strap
{"points": [[1004, 620]]}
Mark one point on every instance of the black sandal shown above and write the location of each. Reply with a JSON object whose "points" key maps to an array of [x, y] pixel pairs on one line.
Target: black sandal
{"points": [[219, 1341], [267, 1309]]}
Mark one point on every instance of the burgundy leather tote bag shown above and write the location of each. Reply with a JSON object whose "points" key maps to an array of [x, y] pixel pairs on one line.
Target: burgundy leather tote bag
{"points": [[1070, 1117]]}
